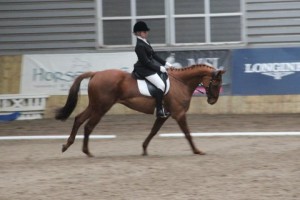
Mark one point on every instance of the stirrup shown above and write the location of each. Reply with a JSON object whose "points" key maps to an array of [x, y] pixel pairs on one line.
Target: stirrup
{"points": [[162, 113]]}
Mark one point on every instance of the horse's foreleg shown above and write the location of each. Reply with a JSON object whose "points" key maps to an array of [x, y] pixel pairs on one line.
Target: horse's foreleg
{"points": [[78, 121], [156, 126], [184, 127], [88, 128]]}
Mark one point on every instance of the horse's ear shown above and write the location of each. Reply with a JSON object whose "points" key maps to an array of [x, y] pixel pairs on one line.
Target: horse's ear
{"points": [[223, 71], [218, 72]]}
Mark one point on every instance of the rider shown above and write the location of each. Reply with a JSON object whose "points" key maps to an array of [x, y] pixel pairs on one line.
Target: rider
{"points": [[147, 68]]}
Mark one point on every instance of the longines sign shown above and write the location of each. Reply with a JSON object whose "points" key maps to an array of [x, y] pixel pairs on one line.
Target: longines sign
{"points": [[266, 71], [276, 70]]}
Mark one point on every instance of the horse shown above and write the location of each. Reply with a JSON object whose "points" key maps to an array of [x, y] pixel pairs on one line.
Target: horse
{"points": [[108, 87]]}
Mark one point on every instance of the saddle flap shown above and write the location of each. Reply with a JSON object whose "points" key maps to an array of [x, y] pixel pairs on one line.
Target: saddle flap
{"points": [[146, 88]]}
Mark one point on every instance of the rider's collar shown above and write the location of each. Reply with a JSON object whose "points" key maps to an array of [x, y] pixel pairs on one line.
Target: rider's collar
{"points": [[143, 39]]}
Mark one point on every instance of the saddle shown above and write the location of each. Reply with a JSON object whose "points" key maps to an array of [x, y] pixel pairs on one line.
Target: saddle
{"points": [[146, 88]]}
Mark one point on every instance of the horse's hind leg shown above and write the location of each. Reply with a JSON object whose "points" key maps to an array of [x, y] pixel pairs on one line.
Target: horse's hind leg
{"points": [[88, 128], [156, 126], [78, 121]]}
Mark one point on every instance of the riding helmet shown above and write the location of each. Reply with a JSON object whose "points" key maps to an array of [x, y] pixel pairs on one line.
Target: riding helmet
{"points": [[140, 26]]}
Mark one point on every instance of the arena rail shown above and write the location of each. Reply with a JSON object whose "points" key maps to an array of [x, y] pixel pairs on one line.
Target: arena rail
{"points": [[29, 106]]}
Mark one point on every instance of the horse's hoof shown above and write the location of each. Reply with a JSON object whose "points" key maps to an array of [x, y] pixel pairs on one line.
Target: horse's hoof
{"points": [[145, 154], [89, 155], [86, 152], [199, 153], [64, 148]]}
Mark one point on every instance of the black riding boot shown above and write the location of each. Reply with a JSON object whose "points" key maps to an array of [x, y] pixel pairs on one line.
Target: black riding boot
{"points": [[160, 111]]}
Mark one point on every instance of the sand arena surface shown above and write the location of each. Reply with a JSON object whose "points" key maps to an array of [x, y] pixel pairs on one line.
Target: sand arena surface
{"points": [[235, 168]]}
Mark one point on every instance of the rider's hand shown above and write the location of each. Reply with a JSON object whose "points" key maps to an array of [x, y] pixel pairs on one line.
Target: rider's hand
{"points": [[167, 65], [163, 69]]}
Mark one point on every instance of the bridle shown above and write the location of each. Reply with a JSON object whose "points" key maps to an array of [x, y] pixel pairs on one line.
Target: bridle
{"points": [[208, 89]]}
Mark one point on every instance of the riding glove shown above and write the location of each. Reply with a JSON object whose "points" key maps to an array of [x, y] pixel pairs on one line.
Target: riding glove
{"points": [[167, 65], [163, 69]]}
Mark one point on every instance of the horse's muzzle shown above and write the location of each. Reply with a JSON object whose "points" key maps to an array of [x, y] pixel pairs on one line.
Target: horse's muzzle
{"points": [[212, 101]]}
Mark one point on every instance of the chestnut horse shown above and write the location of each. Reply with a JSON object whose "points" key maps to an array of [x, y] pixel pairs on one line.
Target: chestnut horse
{"points": [[115, 86]]}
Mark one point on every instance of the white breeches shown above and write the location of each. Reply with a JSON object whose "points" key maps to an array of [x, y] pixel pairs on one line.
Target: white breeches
{"points": [[156, 80]]}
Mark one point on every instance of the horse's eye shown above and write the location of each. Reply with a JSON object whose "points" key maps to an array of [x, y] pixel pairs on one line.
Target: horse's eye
{"points": [[215, 82]]}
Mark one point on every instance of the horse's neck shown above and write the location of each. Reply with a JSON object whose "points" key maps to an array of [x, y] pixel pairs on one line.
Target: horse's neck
{"points": [[192, 76]]}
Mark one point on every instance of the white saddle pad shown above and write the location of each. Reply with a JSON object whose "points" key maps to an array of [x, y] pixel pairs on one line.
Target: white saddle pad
{"points": [[143, 88]]}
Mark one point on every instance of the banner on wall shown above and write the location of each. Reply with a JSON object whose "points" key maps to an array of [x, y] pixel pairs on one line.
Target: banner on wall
{"points": [[54, 74], [266, 71], [220, 59]]}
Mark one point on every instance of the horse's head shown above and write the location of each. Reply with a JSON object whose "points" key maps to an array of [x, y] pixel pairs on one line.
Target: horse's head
{"points": [[212, 84]]}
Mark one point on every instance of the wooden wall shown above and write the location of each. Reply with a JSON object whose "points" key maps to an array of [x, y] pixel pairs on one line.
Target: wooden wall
{"points": [[10, 73]]}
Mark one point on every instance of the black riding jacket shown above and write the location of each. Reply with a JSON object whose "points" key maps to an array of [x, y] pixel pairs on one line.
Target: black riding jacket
{"points": [[146, 66]]}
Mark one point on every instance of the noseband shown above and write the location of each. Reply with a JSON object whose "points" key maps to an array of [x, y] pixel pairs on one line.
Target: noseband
{"points": [[208, 89]]}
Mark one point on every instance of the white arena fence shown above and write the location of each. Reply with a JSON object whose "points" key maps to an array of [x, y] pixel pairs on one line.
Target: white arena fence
{"points": [[29, 106]]}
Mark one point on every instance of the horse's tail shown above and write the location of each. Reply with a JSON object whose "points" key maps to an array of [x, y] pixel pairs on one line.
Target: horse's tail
{"points": [[64, 112]]}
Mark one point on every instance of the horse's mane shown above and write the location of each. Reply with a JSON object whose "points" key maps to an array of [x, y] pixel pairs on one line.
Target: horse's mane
{"points": [[191, 67]]}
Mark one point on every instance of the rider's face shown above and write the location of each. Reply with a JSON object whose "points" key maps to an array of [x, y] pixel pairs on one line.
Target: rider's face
{"points": [[143, 34]]}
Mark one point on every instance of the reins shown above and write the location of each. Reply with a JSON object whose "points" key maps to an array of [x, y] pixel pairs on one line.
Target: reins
{"points": [[176, 79], [198, 90], [207, 89]]}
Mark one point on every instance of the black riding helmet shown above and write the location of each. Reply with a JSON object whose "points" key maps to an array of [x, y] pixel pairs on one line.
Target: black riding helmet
{"points": [[140, 26]]}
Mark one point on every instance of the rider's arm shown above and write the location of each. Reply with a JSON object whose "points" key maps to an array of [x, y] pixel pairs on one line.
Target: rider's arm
{"points": [[159, 59], [140, 51]]}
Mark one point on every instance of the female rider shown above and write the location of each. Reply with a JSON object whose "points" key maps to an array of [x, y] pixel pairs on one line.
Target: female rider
{"points": [[147, 68]]}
